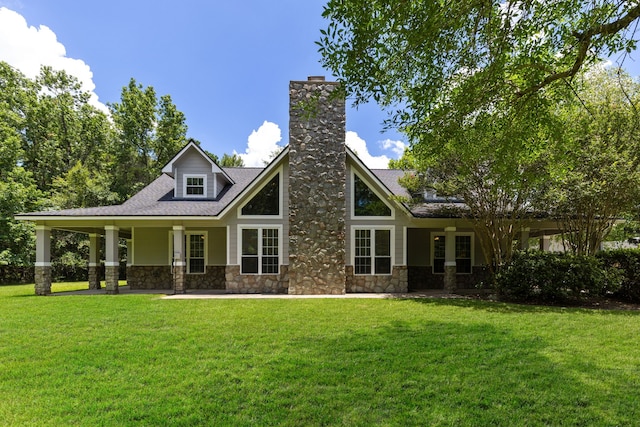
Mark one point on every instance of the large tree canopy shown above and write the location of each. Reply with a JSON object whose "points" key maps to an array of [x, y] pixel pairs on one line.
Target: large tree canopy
{"points": [[435, 62]]}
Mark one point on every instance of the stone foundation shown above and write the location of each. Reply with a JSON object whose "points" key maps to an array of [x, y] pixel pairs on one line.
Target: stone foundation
{"points": [[397, 281], [256, 283], [111, 276], [423, 278], [450, 283], [149, 277], [93, 275], [179, 280], [213, 278], [43, 280]]}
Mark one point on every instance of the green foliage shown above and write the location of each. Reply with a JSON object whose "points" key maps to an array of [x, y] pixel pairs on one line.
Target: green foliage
{"points": [[554, 277], [595, 161], [627, 263], [231, 161], [436, 63]]}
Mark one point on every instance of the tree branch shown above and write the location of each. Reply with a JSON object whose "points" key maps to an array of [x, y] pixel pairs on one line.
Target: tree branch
{"points": [[584, 42]]}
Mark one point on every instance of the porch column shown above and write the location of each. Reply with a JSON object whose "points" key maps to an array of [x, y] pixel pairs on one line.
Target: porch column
{"points": [[112, 262], [524, 239], [43, 260], [450, 259], [545, 243], [94, 261], [129, 257], [179, 264]]}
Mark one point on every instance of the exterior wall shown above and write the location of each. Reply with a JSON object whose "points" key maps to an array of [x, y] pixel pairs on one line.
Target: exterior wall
{"points": [[216, 246], [317, 181], [397, 281], [256, 283], [233, 221], [149, 277], [192, 162], [422, 278], [151, 246], [161, 277], [214, 278]]}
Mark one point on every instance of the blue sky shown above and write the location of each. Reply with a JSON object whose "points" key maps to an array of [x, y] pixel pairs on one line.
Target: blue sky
{"points": [[227, 65]]}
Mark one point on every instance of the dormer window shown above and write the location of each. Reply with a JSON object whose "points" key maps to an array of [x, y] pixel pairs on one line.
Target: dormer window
{"points": [[195, 186]]}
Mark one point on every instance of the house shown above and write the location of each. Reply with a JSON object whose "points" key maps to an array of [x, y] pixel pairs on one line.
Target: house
{"points": [[316, 220]]}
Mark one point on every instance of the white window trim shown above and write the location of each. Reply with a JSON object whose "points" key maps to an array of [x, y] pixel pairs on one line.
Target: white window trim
{"points": [[442, 234], [259, 227], [184, 186], [376, 192], [278, 171], [392, 237], [187, 249]]}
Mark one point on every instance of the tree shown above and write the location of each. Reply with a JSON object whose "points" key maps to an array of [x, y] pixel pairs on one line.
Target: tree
{"points": [[596, 159], [150, 131], [437, 63], [231, 161]]}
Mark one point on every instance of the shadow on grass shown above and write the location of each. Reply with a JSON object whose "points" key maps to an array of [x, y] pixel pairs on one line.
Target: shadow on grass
{"points": [[435, 373], [510, 307]]}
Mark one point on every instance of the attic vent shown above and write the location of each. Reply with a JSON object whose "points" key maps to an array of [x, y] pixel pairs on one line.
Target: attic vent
{"points": [[316, 78]]}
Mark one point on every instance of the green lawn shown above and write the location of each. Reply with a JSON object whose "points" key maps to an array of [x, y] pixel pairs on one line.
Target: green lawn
{"points": [[140, 360]]}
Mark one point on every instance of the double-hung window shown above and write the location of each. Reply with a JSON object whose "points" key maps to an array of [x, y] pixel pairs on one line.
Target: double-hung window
{"points": [[196, 252], [195, 186], [372, 249], [260, 250]]}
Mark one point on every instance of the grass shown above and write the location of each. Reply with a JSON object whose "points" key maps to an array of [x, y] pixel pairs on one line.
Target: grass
{"points": [[140, 360]]}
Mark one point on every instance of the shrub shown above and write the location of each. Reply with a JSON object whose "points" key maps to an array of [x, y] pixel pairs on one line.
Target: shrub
{"points": [[554, 277], [627, 263]]}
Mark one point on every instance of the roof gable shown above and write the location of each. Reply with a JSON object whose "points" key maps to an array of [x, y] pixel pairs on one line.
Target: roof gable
{"points": [[169, 168]]}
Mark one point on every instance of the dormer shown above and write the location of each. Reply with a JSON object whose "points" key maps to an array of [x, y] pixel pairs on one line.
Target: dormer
{"points": [[195, 174]]}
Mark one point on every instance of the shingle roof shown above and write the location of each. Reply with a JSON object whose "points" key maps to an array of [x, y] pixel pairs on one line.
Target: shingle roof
{"points": [[156, 199]]}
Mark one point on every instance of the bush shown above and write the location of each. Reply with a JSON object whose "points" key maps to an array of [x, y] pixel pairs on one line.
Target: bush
{"points": [[554, 277], [627, 263]]}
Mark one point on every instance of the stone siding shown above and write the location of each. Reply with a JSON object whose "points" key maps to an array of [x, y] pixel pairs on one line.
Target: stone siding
{"points": [[111, 276], [149, 277], [422, 278], [238, 283], [397, 281], [93, 275], [317, 184], [43, 280], [213, 278], [160, 277]]}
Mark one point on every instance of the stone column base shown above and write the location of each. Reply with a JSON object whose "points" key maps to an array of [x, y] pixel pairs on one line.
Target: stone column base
{"points": [[43, 280], [179, 280], [450, 284], [111, 274], [94, 277]]}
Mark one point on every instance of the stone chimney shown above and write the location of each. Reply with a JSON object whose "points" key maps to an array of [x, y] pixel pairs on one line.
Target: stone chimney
{"points": [[317, 184]]}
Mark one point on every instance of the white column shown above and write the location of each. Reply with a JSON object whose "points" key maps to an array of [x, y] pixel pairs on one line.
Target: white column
{"points": [[524, 238], [545, 243], [94, 261], [450, 259], [43, 260], [112, 261], [179, 263]]}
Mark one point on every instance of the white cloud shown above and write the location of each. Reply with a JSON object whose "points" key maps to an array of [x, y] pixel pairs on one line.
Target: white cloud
{"points": [[27, 48], [261, 145], [397, 147], [359, 145]]}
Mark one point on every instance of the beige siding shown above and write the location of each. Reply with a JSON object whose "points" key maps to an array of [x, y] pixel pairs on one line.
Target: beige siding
{"points": [[190, 163], [151, 246], [233, 221], [217, 246], [399, 221]]}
